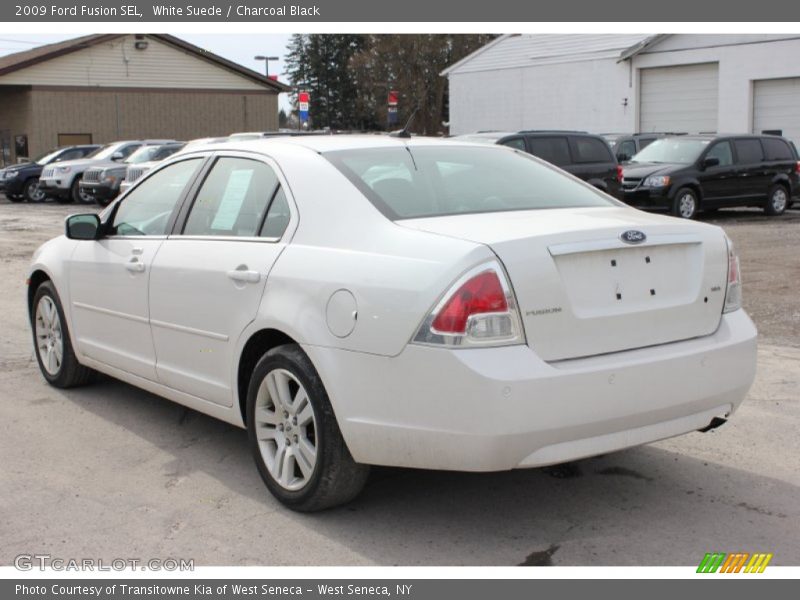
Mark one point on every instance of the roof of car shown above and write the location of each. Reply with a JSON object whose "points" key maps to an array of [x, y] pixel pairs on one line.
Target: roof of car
{"points": [[330, 143]]}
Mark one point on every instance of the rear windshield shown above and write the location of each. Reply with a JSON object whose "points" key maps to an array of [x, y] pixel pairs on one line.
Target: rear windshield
{"points": [[405, 183]]}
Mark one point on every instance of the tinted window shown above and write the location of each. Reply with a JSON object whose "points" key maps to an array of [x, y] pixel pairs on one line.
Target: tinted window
{"points": [[72, 154], [277, 217], [458, 180], [554, 150], [626, 150], [146, 210], [723, 152], [748, 151], [776, 149], [233, 199], [126, 151], [517, 143], [591, 150]]}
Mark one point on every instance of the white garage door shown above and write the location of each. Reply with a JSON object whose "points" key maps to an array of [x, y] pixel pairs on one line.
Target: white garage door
{"points": [[679, 99], [776, 105]]}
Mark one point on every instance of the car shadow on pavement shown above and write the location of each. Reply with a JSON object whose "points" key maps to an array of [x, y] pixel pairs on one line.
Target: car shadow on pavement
{"points": [[644, 506]]}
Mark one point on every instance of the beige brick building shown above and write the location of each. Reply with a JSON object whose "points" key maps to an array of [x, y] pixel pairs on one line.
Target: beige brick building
{"points": [[102, 88]]}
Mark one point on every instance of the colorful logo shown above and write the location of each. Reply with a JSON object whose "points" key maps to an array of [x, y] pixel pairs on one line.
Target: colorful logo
{"points": [[737, 562]]}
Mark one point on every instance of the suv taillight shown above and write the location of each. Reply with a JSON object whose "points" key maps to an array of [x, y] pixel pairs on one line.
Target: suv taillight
{"points": [[733, 292], [797, 167], [478, 310], [619, 173]]}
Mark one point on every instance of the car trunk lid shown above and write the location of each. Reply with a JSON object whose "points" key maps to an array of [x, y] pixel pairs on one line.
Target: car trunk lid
{"points": [[582, 290]]}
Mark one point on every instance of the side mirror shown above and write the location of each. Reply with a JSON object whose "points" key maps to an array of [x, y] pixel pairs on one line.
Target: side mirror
{"points": [[83, 227], [623, 157], [710, 161], [117, 156]]}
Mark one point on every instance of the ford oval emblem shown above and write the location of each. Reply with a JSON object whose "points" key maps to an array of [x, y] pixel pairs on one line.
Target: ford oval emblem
{"points": [[633, 236]]}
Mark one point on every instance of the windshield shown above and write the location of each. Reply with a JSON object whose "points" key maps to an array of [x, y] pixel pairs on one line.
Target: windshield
{"points": [[152, 153], [671, 150], [423, 181], [102, 152], [45, 158]]}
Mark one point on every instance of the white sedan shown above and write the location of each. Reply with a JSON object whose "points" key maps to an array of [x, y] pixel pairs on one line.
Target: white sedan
{"points": [[358, 301]]}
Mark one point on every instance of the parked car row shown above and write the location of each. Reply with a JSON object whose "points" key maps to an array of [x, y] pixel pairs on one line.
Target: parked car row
{"points": [[21, 182], [671, 172]]}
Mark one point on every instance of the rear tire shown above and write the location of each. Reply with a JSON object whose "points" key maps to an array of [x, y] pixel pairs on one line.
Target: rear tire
{"points": [[777, 200], [51, 341], [686, 204], [294, 436]]}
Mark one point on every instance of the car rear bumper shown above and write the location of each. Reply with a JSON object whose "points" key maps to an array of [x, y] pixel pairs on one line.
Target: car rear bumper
{"points": [[504, 408]]}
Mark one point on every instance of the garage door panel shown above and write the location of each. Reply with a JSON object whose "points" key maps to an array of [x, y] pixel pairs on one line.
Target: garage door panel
{"points": [[682, 98], [776, 106]]}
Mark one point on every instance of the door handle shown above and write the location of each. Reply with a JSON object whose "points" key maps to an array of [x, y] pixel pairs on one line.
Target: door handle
{"points": [[134, 265], [245, 276]]}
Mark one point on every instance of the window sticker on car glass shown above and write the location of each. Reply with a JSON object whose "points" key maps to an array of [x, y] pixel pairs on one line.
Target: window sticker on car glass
{"points": [[232, 199]]}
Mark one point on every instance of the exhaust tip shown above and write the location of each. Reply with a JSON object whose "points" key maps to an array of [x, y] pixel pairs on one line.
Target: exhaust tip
{"points": [[715, 422]]}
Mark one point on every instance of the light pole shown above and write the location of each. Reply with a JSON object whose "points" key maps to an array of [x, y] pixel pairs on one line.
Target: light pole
{"points": [[266, 60]]}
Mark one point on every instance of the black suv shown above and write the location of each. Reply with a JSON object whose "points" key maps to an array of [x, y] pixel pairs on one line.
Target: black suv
{"points": [[584, 155], [704, 172], [21, 182]]}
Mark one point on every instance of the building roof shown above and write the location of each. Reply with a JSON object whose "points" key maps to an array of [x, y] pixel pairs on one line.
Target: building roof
{"points": [[22, 60], [523, 50]]}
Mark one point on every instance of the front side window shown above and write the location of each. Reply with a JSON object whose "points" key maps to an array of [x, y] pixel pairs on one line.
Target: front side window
{"points": [[723, 152], [626, 150], [516, 143], [233, 199], [146, 210], [411, 182]]}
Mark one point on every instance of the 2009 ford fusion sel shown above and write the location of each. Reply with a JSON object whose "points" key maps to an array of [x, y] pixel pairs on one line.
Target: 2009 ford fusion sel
{"points": [[358, 301]]}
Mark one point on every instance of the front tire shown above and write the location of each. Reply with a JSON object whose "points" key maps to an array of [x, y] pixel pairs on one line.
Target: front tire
{"points": [[14, 198], [294, 436], [51, 341], [32, 192], [77, 195], [777, 200], [686, 204]]}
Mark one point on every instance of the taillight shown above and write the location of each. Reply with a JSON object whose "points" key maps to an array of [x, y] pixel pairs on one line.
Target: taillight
{"points": [[797, 167], [733, 292], [619, 173], [478, 310]]}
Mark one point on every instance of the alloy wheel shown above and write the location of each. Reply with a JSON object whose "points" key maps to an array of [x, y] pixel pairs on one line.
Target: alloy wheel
{"points": [[286, 429], [49, 340], [779, 200], [687, 205]]}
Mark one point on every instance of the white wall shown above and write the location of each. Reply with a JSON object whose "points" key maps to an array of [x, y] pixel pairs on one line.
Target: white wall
{"points": [[585, 95], [739, 65], [588, 94]]}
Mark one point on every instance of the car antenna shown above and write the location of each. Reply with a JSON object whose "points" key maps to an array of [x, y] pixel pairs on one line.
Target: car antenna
{"points": [[404, 132]]}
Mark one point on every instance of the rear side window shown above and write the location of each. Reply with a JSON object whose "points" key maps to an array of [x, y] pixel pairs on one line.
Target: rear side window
{"points": [[554, 150], [591, 150], [278, 216], [776, 149], [517, 143], [749, 151], [426, 181], [233, 199]]}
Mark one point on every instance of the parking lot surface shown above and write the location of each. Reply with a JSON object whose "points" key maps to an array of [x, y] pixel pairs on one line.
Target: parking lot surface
{"points": [[109, 471]]}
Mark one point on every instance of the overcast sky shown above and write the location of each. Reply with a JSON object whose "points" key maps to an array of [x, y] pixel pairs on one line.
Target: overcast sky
{"points": [[238, 48]]}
